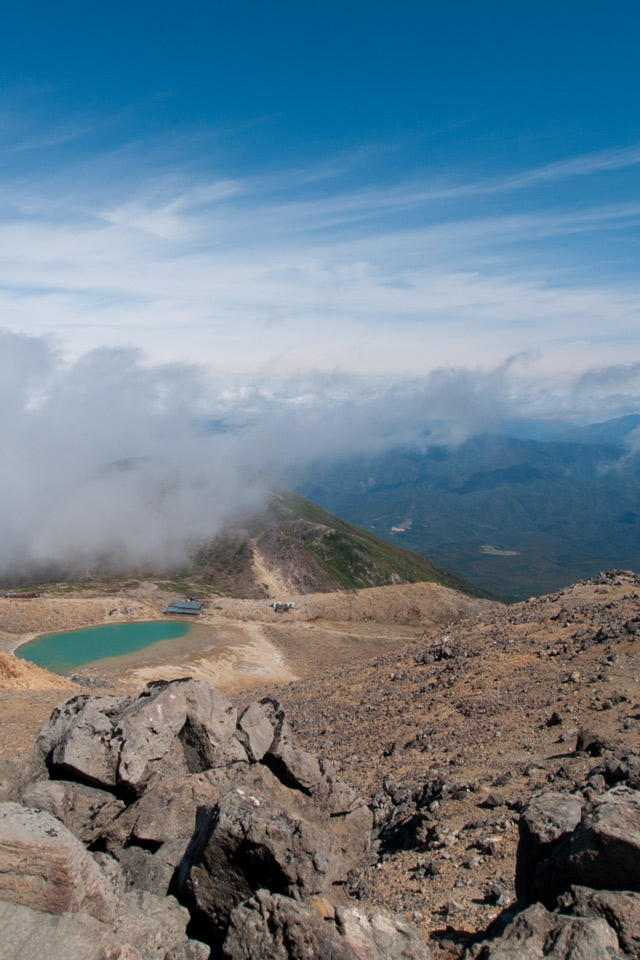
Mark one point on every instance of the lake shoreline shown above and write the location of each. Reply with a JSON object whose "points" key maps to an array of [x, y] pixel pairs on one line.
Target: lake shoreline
{"points": [[65, 651]]}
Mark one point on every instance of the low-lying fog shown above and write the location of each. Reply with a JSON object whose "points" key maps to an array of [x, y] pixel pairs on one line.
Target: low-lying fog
{"points": [[110, 462]]}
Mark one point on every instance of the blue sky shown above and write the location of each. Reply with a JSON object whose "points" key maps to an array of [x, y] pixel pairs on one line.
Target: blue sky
{"points": [[307, 190]]}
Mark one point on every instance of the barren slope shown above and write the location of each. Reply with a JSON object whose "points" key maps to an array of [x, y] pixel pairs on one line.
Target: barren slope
{"points": [[18, 674], [471, 711]]}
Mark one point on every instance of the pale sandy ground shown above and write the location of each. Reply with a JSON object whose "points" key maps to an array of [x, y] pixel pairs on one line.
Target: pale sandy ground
{"points": [[242, 644]]}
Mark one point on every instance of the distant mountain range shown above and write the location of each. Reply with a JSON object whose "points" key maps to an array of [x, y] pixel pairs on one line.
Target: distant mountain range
{"points": [[514, 515]]}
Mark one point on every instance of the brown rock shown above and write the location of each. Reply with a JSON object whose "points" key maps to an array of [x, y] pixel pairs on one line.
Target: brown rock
{"points": [[43, 866], [249, 841], [621, 910], [165, 812], [274, 927], [603, 851]]}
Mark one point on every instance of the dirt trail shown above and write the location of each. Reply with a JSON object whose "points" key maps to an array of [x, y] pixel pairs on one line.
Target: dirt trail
{"points": [[265, 575]]}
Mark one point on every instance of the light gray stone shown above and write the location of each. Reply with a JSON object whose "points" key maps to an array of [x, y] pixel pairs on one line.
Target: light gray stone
{"points": [[85, 811], [255, 732], [17, 774], [27, 934], [80, 740], [537, 934], [543, 823], [379, 935], [146, 928], [181, 727], [293, 766], [250, 841]]}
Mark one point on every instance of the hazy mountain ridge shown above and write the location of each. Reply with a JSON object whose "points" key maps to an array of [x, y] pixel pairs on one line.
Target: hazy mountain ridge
{"points": [[290, 546], [514, 516]]}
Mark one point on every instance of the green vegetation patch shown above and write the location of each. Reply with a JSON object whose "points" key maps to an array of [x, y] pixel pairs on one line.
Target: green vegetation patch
{"points": [[358, 559]]}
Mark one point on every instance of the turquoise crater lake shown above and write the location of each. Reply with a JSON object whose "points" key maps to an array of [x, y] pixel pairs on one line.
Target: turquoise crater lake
{"points": [[63, 652]]}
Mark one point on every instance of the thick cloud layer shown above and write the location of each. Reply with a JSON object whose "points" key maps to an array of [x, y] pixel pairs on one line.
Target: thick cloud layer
{"points": [[111, 463], [105, 464]]}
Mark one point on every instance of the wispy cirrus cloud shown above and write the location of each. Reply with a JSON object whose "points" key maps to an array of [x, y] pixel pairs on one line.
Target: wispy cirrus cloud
{"points": [[587, 164], [304, 270]]}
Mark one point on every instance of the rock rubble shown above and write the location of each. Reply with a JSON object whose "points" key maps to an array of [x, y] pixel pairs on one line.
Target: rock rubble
{"points": [[141, 828]]}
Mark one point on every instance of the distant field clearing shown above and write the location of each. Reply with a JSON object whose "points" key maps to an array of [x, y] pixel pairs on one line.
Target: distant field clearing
{"points": [[491, 551]]}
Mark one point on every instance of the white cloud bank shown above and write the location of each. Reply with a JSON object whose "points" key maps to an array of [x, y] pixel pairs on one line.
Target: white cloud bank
{"points": [[113, 462]]}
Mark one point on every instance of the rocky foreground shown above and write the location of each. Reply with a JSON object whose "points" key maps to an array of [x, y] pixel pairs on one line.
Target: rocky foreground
{"points": [[175, 827], [498, 814]]}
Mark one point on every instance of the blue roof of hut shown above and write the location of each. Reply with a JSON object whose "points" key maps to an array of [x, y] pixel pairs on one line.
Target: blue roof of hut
{"points": [[184, 606]]}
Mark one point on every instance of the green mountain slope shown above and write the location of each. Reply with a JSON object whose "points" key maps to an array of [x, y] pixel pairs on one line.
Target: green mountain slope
{"points": [[309, 549]]}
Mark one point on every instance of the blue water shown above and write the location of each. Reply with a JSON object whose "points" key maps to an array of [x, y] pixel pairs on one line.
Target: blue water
{"points": [[63, 652]]}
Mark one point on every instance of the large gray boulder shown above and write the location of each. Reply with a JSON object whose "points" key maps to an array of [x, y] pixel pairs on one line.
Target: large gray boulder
{"points": [[620, 909], [58, 901], [180, 793], [185, 727], [544, 822], [165, 812], [537, 934], [602, 852], [150, 837], [43, 866], [80, 742], [260, 835], [118, 744], [149, 871], [273, 927]]}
